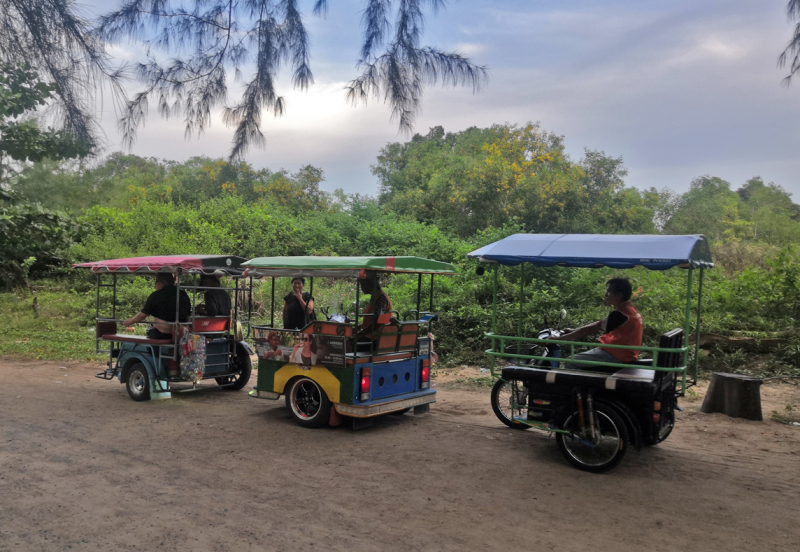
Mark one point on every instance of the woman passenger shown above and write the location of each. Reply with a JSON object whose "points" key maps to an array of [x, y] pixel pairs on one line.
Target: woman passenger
{"points": [[298, 306]]}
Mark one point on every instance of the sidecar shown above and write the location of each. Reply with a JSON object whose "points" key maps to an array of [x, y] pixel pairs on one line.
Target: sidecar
{"points": [[196, 349], [595, 415]]}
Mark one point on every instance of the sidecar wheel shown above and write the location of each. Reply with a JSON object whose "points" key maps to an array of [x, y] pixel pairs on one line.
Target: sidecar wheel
{"points": [[602, 454], [504, 408], [242, 367], [137, 383]]}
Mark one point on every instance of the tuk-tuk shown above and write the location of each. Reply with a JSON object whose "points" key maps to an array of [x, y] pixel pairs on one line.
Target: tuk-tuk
{"points": [[198, 348], [595, 414], [358, 363]]}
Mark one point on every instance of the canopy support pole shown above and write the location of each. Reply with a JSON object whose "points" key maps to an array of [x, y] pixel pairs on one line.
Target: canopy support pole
{"points": [[521, 300], [97, 300], [430, 306], [687, 322], [419, 293], [272, 306], [494, 315], [697, 329], [358, 301], [114, 297]]}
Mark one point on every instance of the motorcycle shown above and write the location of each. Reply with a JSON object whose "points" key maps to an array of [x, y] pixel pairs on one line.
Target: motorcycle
{"points": [[509, 400], [595, 417]]}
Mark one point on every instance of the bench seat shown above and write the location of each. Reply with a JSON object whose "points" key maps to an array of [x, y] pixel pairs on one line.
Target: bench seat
{"points": [[625, 379], [140, 339]]}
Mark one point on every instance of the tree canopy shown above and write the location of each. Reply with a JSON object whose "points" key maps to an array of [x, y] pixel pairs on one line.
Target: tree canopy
{"points": [[55, 41], [207, 40], [479, 178]]}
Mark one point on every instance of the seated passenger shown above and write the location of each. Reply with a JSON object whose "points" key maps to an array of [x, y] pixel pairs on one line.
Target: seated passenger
{"points": [[623, 326], [298, 306], [161, 305], [216, 302], [379, 304]]}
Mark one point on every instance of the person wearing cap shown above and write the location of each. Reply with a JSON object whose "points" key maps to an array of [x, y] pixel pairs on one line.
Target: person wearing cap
{"points": [[298, 306], [216, 302]]}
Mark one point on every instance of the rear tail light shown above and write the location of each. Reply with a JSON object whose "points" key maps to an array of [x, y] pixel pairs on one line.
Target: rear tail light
{"points": [[657, 406], [366, 375], [656, 418], [425, 376]]}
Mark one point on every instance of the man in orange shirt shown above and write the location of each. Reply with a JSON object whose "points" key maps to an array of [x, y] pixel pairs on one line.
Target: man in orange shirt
{"points": [[623, 326]]}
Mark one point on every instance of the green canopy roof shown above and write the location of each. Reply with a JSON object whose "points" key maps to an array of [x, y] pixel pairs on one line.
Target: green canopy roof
{"points": [[342, 267]]}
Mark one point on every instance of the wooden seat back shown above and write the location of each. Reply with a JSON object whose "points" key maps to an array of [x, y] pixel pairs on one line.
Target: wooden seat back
{"points": [[105, 328], [407, 339]]}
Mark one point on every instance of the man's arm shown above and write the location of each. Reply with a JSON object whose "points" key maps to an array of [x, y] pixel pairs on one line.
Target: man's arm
{"points": [[580, 333], [134, 320]]}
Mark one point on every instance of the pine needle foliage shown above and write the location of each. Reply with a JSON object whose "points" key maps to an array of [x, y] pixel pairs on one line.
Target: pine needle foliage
{"points": [[57, 42], [208, 39]]}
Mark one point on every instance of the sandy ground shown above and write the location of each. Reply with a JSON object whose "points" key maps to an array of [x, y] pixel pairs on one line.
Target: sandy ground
{"points": [[82, 467]]}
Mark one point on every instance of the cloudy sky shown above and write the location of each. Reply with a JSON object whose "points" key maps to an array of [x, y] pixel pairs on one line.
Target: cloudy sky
{"points": [[678, 89]]}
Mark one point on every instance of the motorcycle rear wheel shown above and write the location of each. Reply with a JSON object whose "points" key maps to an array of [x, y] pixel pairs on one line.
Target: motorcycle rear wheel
{"points": [[598, 455]]}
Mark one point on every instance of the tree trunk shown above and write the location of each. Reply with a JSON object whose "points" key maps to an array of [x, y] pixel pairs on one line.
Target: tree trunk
{"points": [[735, 395]]}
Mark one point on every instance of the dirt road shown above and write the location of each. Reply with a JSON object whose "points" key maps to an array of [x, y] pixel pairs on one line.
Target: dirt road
{"points": [[82, 467]]}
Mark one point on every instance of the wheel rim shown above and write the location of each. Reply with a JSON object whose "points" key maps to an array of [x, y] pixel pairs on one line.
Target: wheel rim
{"points": [[306, 399], [137, 382], [606, 444], [506, 403]]}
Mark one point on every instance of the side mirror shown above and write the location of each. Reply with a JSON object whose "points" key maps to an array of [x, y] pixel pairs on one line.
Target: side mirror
{"points": [[563, 314], [480, 271]]}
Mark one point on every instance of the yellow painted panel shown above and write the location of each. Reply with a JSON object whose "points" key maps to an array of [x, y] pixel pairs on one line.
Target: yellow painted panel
{"points": [[319, 374]]}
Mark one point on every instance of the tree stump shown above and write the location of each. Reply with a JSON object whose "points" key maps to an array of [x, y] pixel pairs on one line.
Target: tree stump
{"points": [[735, 395]]}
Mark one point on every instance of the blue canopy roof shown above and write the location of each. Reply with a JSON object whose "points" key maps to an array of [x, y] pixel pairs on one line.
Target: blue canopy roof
{"points": [[599, 250]]}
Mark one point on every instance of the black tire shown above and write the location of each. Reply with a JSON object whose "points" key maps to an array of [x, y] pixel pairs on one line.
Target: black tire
{"points": [[307, 403], [242, 367], [503, 407], [609, 447], [137, 382]]}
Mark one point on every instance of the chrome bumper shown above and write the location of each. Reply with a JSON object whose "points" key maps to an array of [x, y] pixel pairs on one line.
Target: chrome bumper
{"points": [[383, 408], [256, 394]]}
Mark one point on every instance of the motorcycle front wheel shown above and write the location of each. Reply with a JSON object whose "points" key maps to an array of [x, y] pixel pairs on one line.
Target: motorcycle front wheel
{"points": [[509, 401], [598, 453]]}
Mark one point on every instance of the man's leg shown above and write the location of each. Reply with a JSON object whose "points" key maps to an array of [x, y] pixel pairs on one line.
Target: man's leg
{"points": [[595, 355]]}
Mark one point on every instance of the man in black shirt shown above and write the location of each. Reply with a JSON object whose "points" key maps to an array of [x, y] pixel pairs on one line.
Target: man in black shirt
{"points": [[216, 302], [161, 306]]}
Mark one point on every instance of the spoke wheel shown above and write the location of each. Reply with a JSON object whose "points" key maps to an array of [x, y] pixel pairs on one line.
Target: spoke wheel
{"points": [[509, 401], [597, 454], [242, 367], [138, 383], [308, 403]]}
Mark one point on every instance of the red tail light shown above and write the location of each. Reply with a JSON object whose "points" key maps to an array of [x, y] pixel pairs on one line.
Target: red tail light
{"points": [[656, 418], [425, 376], [366, 374]]}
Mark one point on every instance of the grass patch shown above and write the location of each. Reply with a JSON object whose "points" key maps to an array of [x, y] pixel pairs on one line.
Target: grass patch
{"points": [[60, 328]]}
